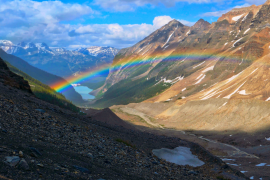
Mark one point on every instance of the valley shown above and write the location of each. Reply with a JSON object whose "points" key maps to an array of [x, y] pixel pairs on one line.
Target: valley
{"points": [[175, 99], [246, 152]]}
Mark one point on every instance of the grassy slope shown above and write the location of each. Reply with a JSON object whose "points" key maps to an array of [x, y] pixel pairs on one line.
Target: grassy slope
{"points": [[128, 91], [44, 92]]}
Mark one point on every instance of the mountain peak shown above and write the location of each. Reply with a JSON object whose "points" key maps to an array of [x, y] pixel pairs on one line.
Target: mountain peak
{"points": [[267, 2], [174, 22], [201, 24], [6, 42]]}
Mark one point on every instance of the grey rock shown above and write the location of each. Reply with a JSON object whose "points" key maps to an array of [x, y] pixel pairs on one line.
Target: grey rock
{"points": [[84, 170], [23, 165], [12, 160], [40, 110]]}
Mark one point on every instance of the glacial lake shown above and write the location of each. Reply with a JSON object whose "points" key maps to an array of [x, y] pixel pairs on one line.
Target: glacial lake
{"points": [[180, 155], [84, 92]]}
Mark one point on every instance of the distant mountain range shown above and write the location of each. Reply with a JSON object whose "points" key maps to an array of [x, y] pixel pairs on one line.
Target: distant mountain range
{"points": [[60, 61], [104, 53]]}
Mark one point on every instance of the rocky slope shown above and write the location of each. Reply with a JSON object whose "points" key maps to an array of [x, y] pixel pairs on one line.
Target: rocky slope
{"points": [[60, 61], [188, 59], [11, 79], [42, 141]]}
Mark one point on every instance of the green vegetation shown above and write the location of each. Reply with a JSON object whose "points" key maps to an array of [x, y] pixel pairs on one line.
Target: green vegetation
{"points": [[128, 91], [44, 92], [140, 70]]}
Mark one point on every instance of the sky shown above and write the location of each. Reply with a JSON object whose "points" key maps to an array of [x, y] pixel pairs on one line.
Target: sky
{"points": [[117, 23]]}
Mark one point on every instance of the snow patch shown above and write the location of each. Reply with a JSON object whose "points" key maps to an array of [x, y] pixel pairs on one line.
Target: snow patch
{"points": [[208, 69], [200, 79], [188, 32], [229, 96], [243, 92], [186, 89], [199, 76], [232, 78], [245, 18], [75, 85], [237, 41], [142, 49], [225, 43], [253, 71], [241, 62], [236, 18], [268, 139], [223, 105], [170, 37], [198, 65], [146, 51], [246, 30], [173, 81]]}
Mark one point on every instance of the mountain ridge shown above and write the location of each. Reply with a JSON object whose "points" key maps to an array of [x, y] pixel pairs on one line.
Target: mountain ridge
{"points": [[59, 61], [232, 44]]}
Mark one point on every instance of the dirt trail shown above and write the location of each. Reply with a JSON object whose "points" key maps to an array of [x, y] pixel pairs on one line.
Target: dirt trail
{"points": [[142, 115]]}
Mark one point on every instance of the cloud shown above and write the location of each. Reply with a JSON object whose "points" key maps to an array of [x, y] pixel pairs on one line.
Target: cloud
{"points": [[45, 11], [27, 20], [159, 21], [219, 13], [187, 23], [115, 34], [131, 5], [256, 2]]}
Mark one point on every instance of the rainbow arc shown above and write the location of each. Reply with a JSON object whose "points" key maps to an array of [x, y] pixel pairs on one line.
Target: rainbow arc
{"points": [[65, 85]]}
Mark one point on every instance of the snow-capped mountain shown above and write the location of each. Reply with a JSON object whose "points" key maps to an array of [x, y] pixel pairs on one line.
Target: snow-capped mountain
{"points": [[7, 46], [58, 60], [105, 53]]}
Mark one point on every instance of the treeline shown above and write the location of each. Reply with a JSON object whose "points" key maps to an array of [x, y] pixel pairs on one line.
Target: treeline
{"points": [[44, 92]]}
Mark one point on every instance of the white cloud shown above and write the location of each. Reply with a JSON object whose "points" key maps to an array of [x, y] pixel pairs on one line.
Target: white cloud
{"points": [[219, 13], [159, 21], [257, 2], [187, 23], [131, 5], [45, 11], [115, 34], [28, 20]]}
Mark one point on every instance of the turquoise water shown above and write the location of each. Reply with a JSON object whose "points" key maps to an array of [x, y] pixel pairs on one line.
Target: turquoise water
{"points": [[84, 92]]}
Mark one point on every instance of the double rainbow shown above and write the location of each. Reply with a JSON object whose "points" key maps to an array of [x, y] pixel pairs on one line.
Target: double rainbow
{"points": [[65, 85]]}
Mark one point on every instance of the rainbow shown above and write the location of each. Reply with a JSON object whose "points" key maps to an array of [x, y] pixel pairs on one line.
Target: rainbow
{"points": [[65, 85]]}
